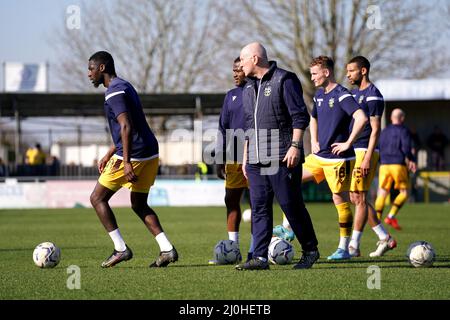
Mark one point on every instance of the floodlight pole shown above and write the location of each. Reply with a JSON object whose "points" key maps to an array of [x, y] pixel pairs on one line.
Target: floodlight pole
{"points": [[79, 143], [197, 142], [47, 77], [18, 133], [50, 140], [4, 76]]}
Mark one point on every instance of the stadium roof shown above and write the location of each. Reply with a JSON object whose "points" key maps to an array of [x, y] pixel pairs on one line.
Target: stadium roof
{"points": [[91, 104], [50, 104], [407, 90]]}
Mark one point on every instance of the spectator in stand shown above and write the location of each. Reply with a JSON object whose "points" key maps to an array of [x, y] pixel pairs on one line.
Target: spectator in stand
{"points": [[35, 156], [35, 161], [53, 166], [437, 142], [3, 170]]}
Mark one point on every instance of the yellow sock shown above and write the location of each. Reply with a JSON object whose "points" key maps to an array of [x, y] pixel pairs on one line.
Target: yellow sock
{"points": [[345, 217], [399, 201], [379, 206]]}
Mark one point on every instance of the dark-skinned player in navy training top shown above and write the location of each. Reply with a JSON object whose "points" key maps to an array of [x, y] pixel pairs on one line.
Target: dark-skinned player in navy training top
{"points": [[367, 156], [131, 162], [229, 154], [333, 157]]}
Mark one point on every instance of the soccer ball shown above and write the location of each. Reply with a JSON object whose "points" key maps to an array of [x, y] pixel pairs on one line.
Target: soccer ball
{"points": [[227, 252], [280, 251], [421, 254], [247, 215], [46, 255]]}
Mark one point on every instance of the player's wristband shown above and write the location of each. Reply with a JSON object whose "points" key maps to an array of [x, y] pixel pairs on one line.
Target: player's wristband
{"points": [[296, 144]]}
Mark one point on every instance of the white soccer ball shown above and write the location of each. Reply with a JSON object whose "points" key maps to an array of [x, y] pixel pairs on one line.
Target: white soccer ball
{"points": [[227, 252], [46, 255], [280, 251], [421, 254], [247, 215]]}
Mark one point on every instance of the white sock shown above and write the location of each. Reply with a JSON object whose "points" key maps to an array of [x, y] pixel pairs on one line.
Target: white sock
{"points": [[163, 242], [252, 244], [343, 243], [116, 237], [286, 223], [356, 239], [233, 236], [381, 232]]}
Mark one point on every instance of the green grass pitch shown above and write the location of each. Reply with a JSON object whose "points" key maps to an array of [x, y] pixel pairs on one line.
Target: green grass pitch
{"points": [[195, 231]]}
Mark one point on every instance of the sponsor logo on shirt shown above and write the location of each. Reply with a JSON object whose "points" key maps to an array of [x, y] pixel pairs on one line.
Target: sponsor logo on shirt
{"points": [[267, 91], [233, 98]]}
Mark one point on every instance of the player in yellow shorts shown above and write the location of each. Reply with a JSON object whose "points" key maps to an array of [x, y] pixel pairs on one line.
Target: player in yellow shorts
{"points": [[337, 172], [393, 173], [396, 159], [113, 178], [333, 157], [235, 178], [331, 144], [131, 162], [364, 211], [372, 102], [360, 180], [231, 122]]}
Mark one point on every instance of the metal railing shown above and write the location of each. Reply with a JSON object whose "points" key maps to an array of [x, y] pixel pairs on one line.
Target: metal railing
{"points": [[439, 181]]}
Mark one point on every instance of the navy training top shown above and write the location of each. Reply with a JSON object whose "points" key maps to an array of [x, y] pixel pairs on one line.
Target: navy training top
{"points": [[372, 102], [231, 135], [395, 145], [333, 111], [121, 97]]}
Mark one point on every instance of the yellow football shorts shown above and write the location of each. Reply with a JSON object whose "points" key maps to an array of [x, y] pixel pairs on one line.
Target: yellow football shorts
{"points": [[360, 183], [113, 178], [397, 173], [337, 172], [234, 176]]}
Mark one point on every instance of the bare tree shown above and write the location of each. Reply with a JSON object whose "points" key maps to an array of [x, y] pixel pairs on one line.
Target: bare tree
{"points": [[158, 45], [186, 46], [392, 34]]}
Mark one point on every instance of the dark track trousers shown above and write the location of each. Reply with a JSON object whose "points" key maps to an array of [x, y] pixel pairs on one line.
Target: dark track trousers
{"points": [[285, 184]]}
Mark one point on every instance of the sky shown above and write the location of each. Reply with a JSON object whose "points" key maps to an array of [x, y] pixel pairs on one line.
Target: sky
{"points": [[25, 25]]}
